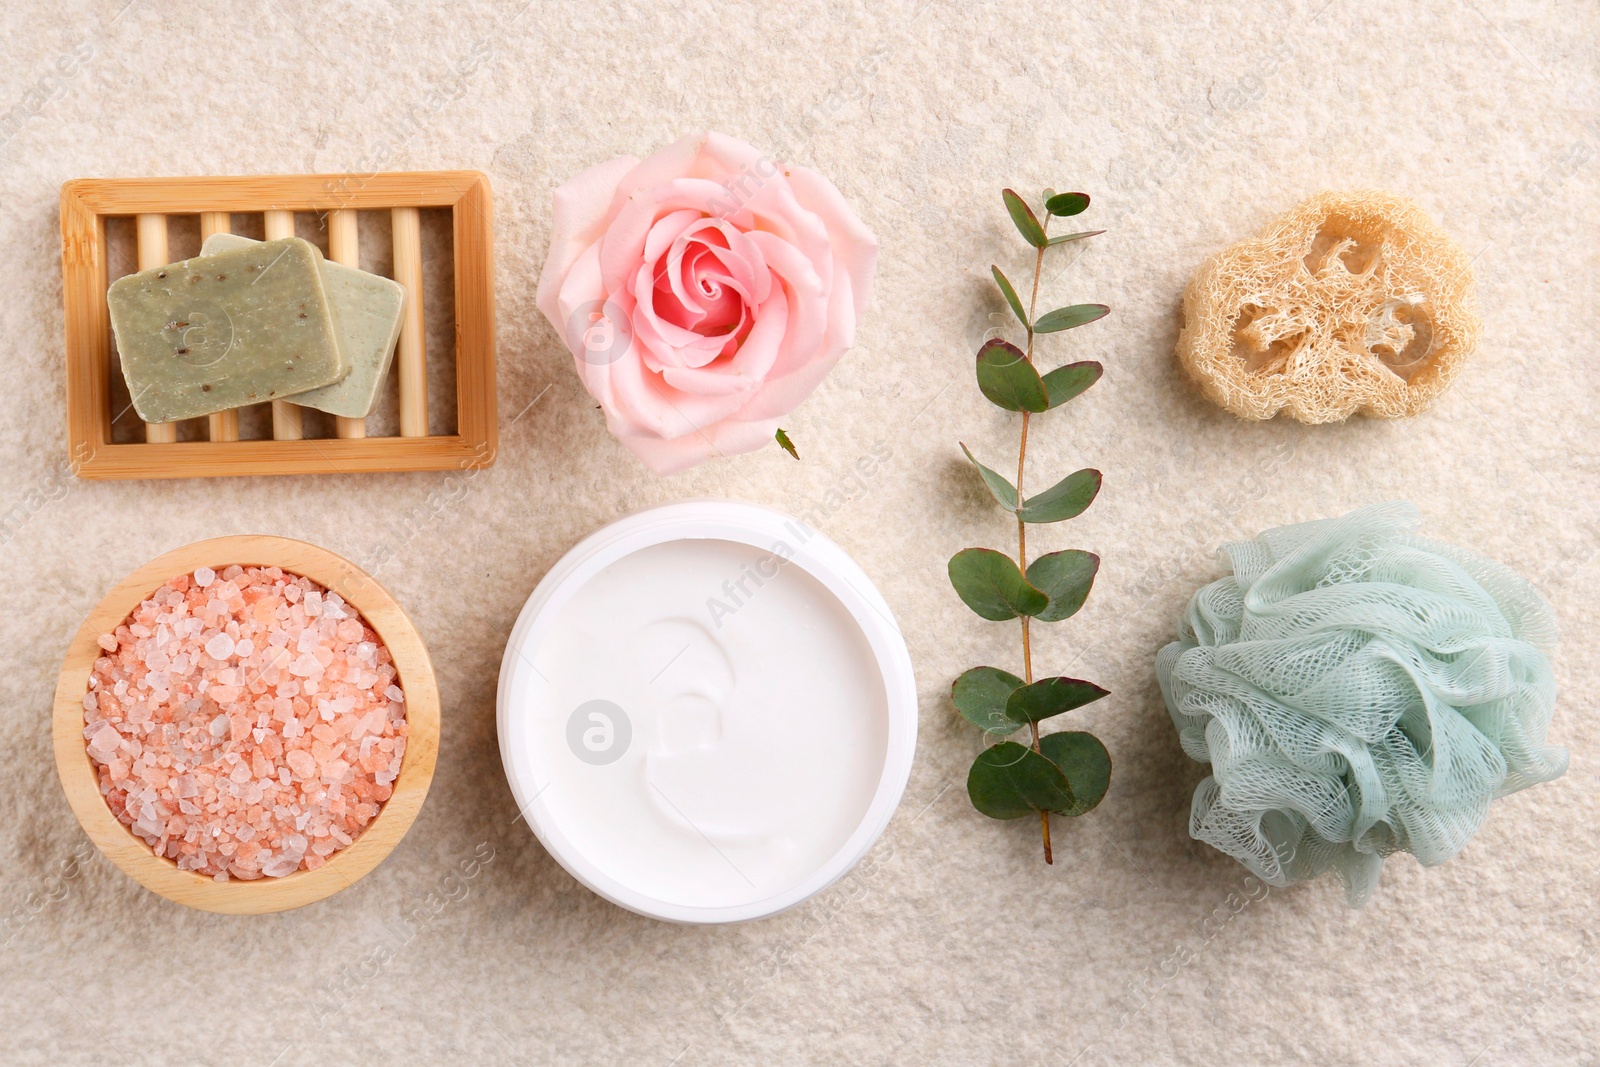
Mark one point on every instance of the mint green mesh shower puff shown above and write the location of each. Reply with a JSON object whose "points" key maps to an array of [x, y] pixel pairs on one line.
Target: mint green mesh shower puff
{"points": [[1358, 690]]}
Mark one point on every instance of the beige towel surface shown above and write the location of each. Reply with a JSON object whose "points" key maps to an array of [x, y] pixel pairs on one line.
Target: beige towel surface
{"points": [[1192, 124]]}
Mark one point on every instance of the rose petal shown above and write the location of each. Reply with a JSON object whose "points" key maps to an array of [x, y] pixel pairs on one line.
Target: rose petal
{"points": [[648, 403], [730, 438], [783, 392], [748, 368], [622, 246], [663, 343], [853, 245], [577, 220], [667, 231]]}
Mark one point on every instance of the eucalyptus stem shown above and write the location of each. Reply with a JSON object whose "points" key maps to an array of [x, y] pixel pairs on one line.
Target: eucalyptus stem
{"points": [[1022, 530], [1066, 772]]}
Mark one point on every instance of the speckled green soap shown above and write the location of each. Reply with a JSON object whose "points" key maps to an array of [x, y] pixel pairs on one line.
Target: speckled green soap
{"points": [[366, 322], [223, 331]]}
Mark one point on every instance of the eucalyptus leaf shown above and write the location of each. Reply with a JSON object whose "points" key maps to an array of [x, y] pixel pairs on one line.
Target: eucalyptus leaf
{"points": [[1009, 781], [1007, 291], [1064, 383], [1066, 578], [1069, 317], [1049, 697], [1023, 216], [980, 696], [992, 586], [1066, 499], [1084, 762], [1063, 238], [1064, 204], [1002, 490], [1008, 379]]}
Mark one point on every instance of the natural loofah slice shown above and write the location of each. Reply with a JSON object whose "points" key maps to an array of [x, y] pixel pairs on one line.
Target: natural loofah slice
{"points": [[1352, 302]]}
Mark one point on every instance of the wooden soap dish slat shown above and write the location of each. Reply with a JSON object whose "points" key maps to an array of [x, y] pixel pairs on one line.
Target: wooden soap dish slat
{"points": [[410, 358], [86, 203]]}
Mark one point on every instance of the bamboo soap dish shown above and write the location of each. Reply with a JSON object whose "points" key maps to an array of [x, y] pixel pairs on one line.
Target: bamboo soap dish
{"points": [[237, 897], [93, 367]]}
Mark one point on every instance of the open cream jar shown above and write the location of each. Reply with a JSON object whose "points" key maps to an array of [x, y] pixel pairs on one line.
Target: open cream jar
{"points": [[706, 712]]}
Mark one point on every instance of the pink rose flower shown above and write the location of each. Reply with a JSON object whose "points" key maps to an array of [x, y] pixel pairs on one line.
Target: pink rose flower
{"points": [[704, 293]]}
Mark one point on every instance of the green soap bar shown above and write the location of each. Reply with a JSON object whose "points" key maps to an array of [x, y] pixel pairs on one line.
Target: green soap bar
{"points": [[223, 331], [366, 322]]}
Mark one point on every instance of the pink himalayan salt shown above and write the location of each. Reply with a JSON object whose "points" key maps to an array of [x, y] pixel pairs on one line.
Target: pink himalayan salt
{"points": [[246, 723]]}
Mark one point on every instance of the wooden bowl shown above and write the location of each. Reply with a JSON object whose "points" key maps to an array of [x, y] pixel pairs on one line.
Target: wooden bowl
{"points": [[237, 896]]}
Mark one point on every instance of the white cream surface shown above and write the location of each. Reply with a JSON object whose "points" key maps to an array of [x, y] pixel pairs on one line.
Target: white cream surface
{"points": [[757, 714]]}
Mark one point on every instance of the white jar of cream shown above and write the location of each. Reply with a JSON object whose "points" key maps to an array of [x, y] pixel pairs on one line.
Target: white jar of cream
{"points": [[707, 712]]}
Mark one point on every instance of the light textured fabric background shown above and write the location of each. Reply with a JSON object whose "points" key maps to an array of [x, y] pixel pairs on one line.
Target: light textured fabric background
{"points": [[1192, 124]]}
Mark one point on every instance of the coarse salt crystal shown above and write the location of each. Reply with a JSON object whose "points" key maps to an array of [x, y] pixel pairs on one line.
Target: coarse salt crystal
{"points": [[104, 743], [220, 646], [301, 763]]}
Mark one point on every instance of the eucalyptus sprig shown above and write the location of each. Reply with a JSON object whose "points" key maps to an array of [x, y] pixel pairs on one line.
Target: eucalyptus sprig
{"points": [[1066, 773]]}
